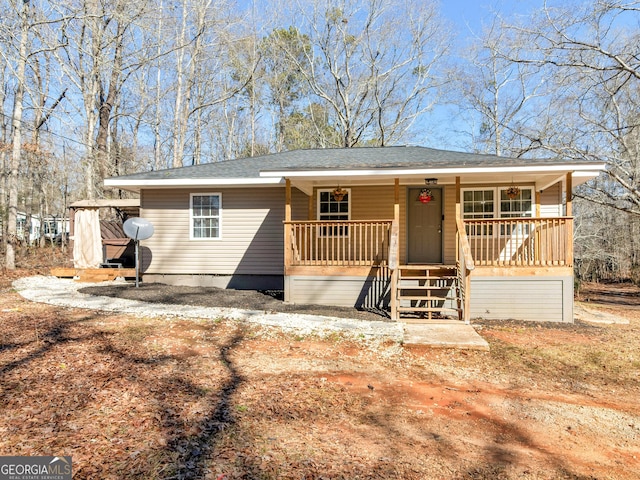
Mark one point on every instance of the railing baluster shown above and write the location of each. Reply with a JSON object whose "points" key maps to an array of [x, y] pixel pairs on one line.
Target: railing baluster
{"points": [[339, 243], [520, 242]]}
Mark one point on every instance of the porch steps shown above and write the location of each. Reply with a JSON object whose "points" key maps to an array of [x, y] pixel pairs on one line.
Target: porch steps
{"points": [[428, 293]]}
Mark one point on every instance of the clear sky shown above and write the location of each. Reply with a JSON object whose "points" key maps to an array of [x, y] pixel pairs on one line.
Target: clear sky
{"points": [[468, 18], [470, 15]]}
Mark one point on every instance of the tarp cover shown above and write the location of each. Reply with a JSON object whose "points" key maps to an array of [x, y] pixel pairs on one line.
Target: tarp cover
{"points": [[87, 243]]}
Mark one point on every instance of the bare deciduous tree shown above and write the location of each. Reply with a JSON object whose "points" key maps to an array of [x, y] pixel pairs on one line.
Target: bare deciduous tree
{"points": [[587, 54], [499, 95], [591, 49], [16, 135], [372, 63]]}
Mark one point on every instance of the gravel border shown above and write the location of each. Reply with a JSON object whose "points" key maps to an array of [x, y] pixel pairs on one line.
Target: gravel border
{"points": [[64, 293]]}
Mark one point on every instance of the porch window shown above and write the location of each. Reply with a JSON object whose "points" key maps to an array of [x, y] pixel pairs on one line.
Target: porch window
{"points": [[495, 203], [478, 204], [330, 209], [205, 216], [517, 207]]}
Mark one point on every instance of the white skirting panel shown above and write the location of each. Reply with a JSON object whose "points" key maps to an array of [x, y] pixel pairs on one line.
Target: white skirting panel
{"points": [[342, 291], [542, 298]]}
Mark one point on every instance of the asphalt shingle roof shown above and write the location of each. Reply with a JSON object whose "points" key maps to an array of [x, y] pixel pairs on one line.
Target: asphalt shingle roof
{"points": [[341, 159]]}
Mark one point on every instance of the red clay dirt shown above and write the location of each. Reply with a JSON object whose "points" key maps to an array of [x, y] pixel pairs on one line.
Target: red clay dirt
{"points": [[151, 398]]}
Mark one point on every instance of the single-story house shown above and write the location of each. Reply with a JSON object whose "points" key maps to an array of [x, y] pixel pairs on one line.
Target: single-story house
{"points": [[420, 232]]}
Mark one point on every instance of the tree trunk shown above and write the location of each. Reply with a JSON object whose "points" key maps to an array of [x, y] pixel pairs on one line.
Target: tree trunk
{"points": [[177, 141], [16, 139], [107, 103]]}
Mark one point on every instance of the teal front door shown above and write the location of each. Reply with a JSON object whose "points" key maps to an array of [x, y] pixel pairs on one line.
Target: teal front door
{"points": [[424, 229]]}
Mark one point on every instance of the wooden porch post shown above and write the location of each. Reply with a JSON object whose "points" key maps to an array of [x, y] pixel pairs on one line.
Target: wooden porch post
{"points": [[466, 279], [569, 213], [396, 200], [394, 253], [287, 201], [287, 226], [568, 189], [537, 243], [458, 198], [310, 211]]}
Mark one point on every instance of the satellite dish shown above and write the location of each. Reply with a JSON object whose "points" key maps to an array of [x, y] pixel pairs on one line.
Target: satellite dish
{"points": [[138, 228]]}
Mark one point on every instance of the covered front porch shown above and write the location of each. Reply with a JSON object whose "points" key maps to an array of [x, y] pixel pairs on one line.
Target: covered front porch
{"points": [[378, 262]]}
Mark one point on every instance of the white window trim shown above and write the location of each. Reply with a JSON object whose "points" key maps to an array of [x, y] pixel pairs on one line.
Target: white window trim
{"points": [[477, 189], [496, 199], [205, 194], [533, 200], [497, 212], [318, 214]]}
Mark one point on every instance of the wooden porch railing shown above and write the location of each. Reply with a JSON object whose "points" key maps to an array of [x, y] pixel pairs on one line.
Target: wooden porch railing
{"points": [[338, 243], [394, 265], [521, 242], [464, 265]]}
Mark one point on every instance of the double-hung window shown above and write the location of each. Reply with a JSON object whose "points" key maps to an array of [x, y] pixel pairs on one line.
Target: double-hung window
{"points": [[495, 202], [478, 204], [205, 217], [516, 206], [330, 208]]}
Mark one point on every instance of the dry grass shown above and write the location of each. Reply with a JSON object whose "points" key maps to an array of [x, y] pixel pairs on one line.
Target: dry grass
{"points": [[598, 355], [149, 398]]}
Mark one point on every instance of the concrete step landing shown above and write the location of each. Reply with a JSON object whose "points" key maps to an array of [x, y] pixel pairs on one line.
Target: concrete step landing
{"points": [[444, 335]]}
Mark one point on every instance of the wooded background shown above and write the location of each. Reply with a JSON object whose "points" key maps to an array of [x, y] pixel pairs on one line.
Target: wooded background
{"points": [[97, 88]]}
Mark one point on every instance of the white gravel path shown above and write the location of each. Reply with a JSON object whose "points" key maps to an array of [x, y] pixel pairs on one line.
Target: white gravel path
{"points": [[64, 292]]}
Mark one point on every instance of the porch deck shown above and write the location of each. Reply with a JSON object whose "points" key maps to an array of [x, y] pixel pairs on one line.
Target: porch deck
{"points": [[510, 246]]}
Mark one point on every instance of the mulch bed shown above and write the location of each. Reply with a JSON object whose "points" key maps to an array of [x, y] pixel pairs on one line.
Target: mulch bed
{"points": [[268, 301]]}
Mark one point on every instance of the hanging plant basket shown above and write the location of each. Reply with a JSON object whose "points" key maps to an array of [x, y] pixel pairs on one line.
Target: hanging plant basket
{"points": [[339, 194], [513, 192], [425, 195]]}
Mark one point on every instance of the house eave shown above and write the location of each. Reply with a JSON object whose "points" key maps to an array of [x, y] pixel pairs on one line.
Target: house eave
{"points": [[540, 175], [137, 184], [409, 172]]}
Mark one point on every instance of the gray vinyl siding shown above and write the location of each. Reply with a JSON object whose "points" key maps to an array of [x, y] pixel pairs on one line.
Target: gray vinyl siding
{"points": [[522, 298], [495, 298], [343, 291], [251, 240]]}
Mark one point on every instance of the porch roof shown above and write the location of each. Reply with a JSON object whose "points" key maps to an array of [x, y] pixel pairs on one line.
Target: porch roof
{"points": [[369, 165]]}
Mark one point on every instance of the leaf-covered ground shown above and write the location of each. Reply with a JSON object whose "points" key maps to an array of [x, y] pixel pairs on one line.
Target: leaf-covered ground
{"points": [[150, 398]]}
